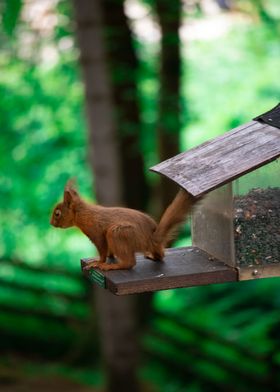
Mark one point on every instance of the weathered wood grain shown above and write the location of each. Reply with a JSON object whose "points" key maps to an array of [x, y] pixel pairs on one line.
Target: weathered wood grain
{"points": [[222, 159], [182, 267]]}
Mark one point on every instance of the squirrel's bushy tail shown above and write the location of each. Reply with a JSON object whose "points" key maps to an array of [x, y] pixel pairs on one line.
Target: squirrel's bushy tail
{"points": [[173, 216]]}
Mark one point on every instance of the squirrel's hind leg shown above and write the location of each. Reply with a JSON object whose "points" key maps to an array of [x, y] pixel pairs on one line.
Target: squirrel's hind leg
{"points": [[155, 252], [120, 240], [155, 256]]}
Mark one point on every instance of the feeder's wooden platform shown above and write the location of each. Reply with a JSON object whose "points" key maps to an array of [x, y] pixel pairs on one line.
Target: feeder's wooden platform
{"points": [[182, 267]]}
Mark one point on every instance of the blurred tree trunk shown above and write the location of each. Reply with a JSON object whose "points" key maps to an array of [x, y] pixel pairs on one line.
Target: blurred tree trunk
{"points": [[168, 127], [103, 152], [124, 68], [116, 163]]}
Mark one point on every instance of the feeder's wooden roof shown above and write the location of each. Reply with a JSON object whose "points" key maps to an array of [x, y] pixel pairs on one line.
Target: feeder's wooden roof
{"points": [[224, 158]]}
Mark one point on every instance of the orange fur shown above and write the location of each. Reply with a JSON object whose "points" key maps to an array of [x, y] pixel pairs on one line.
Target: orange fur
{"points": [[120, 232]]}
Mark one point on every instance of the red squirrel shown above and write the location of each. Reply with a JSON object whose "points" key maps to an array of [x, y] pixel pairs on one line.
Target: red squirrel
{"points": [[121, 232]]}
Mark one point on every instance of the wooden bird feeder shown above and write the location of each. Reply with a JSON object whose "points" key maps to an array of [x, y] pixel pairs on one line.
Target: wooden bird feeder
{"points": [[235, 228]]}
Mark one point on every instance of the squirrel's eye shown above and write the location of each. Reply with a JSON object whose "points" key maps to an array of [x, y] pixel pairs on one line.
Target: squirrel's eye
{"points": [[57, 213]]}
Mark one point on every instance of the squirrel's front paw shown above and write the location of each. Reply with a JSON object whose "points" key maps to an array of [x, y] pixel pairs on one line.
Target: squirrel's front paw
{"points": [[104, 266], [107, 267], [93, 264]]}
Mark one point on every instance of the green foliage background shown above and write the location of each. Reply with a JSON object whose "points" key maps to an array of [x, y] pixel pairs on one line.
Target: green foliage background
{"points": [[43, 144]]}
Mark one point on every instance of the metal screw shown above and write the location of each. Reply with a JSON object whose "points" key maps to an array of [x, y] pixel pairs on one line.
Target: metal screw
{"points": [[255, 272]]}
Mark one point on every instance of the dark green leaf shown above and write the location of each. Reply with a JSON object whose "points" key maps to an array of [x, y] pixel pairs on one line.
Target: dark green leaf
{"points": [[11, 14]]}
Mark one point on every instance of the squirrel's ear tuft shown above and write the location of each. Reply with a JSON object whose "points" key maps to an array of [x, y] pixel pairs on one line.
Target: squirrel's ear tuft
{"points": [[67, 197], [70, 193], [70, 184]]}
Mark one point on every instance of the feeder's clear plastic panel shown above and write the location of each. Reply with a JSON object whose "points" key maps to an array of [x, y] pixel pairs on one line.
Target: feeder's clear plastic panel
{"points": [[212, 225], [256, 213]]}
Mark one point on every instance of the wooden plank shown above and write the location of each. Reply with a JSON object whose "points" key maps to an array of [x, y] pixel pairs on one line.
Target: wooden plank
{"points": [[222, 159], [182, 267]]}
